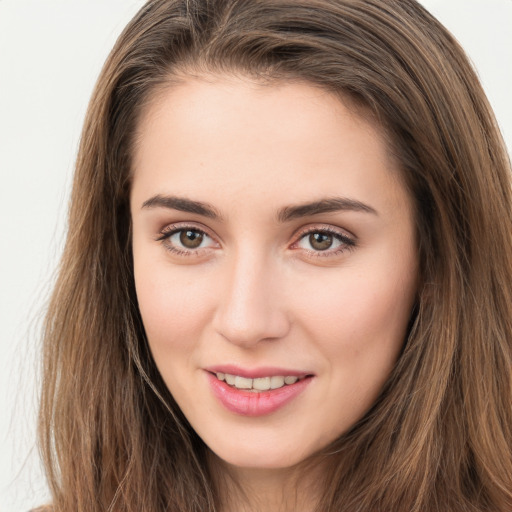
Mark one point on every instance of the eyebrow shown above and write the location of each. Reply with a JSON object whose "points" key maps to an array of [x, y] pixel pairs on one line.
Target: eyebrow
{"points": [[286, 214], [182, 204], [328, 205]]}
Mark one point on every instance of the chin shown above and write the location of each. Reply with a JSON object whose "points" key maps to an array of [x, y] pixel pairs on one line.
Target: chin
{"points": [[251, 454]]}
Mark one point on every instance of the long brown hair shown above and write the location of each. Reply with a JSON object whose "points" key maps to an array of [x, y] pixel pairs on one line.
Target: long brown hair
{"points": [[439, 437]]}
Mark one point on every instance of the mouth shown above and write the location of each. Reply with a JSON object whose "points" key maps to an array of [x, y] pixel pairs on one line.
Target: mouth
{"points": [[256, 392], [258, 384]]}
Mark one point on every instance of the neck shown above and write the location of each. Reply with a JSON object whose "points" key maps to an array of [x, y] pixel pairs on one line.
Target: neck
{"points": [[294, 489]]}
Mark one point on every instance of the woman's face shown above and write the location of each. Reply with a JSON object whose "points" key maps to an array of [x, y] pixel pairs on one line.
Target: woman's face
{"points": [[275, 263]]}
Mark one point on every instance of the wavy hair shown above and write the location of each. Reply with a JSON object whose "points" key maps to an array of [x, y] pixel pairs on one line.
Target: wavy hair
{"points": [[439, 437]]}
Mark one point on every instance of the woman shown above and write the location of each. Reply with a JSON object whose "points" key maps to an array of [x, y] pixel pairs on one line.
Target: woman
{"points": [[286, 284]]}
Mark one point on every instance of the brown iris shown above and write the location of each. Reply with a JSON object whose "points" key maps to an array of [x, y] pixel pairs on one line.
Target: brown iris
{"points": [[191, 239], [320, 241]]}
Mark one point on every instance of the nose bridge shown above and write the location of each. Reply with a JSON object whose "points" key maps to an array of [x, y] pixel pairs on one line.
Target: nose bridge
{"points": [[250, 307]]}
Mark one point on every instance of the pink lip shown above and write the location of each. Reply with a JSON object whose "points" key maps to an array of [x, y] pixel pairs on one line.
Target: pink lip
{"points": [[247, 403], [254, 373]]}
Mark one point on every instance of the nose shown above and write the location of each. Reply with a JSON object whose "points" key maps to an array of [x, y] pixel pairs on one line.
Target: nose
{"points": [[250, 302]]}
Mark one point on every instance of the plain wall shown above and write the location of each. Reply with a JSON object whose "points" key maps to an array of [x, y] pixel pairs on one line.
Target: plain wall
{"points": [[51, 52]]}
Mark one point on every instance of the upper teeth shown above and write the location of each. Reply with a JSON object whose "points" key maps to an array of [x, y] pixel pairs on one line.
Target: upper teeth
{"points": [[259, 384]]}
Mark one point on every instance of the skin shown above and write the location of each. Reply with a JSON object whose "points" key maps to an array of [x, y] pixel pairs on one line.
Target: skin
{"points": [[258, 291]]}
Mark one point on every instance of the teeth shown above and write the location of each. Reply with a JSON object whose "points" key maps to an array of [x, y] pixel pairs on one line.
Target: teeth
{"points": [[243, 383], [276, 382], [259, 384]]}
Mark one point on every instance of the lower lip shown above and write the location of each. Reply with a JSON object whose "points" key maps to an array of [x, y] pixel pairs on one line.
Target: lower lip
{"points": [[249, 403]]}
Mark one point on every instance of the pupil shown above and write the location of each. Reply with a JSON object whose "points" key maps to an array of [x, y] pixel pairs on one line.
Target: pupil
{"points": [[191, 239], [320, 241]]}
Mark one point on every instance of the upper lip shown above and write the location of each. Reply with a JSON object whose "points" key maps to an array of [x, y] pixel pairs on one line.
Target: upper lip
{"points": [[255, 373]]}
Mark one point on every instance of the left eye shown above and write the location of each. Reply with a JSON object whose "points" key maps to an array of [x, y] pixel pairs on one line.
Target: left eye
{"points": [[320, 241]]}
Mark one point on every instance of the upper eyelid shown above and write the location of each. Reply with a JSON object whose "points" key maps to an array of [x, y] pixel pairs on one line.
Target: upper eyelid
{"points": [[172, 228], [167, 232], [176, 227], [326, 228], [348, 241]]}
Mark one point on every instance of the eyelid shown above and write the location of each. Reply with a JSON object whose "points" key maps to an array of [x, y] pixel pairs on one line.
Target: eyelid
{"points": [[348, 240], [326, 228], [171, 229]]}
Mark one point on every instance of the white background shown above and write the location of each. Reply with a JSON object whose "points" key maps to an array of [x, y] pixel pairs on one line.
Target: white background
{"points": [[51, 52]]}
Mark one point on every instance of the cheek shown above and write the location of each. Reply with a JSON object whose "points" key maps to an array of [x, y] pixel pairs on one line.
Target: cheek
{"points": [[360, 317], [175, 310], [359, 329], [174, 306]]}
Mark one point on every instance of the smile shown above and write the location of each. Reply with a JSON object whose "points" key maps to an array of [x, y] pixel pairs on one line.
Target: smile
{"points": [[256, 393], [258, 384]]}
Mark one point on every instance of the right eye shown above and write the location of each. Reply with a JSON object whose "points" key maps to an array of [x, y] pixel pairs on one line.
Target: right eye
{"points": [[186, 240]]}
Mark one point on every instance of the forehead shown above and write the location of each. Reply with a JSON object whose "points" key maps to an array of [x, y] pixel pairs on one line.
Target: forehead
{"points": [[259, 140]]}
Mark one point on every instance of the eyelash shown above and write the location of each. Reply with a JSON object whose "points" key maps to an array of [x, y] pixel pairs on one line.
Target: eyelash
{"points": [[174, 229], [347, 243]]}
